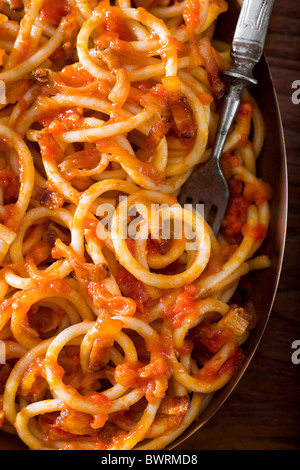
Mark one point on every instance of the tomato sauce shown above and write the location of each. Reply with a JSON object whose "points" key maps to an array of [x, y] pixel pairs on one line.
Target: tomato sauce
{"points": [[132, 287], [258, 193], [213, 338], [228, 162], [68, 118], [115, 23], [53, 11], [258, 232], [242, 196], [58, 285], [47, 424], [158, 246], [22, 103], [205, 98], [11, 213], [90, 224], [155, 100], [26, 49], [151, 377], [9, 184], [2, 54], [4, 374], [55, 368], [184, 306], [192, 14], [99, 399], [232, 365], [75, 75], [236, 214], [208, 373], [40, 252]]}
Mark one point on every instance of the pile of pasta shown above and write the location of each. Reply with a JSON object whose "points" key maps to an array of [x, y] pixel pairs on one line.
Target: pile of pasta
{"points": [[112, 341]]}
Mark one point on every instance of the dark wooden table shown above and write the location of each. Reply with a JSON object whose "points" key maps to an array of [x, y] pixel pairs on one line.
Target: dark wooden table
{"points": [[263, 412]]}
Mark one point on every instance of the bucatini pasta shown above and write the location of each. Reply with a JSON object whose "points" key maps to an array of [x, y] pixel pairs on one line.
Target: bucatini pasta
{"points": [[120, 311]]}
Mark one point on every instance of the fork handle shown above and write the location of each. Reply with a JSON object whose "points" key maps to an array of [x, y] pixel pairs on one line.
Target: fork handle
{"points": [[246, 51], [229, 110], [249, 38]]}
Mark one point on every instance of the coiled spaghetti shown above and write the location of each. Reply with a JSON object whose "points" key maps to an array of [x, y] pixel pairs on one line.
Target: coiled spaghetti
{"points": [[115, 341]]}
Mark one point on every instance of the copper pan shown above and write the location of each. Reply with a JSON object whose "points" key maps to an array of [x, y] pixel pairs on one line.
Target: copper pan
{"points": [[272, 167]]}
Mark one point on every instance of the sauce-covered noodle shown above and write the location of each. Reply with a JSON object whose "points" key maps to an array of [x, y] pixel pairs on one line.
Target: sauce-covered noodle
{"points": [[115, 341]]}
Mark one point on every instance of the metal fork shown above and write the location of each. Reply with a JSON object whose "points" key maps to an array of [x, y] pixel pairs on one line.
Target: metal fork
{"points": [[207, 184]]}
